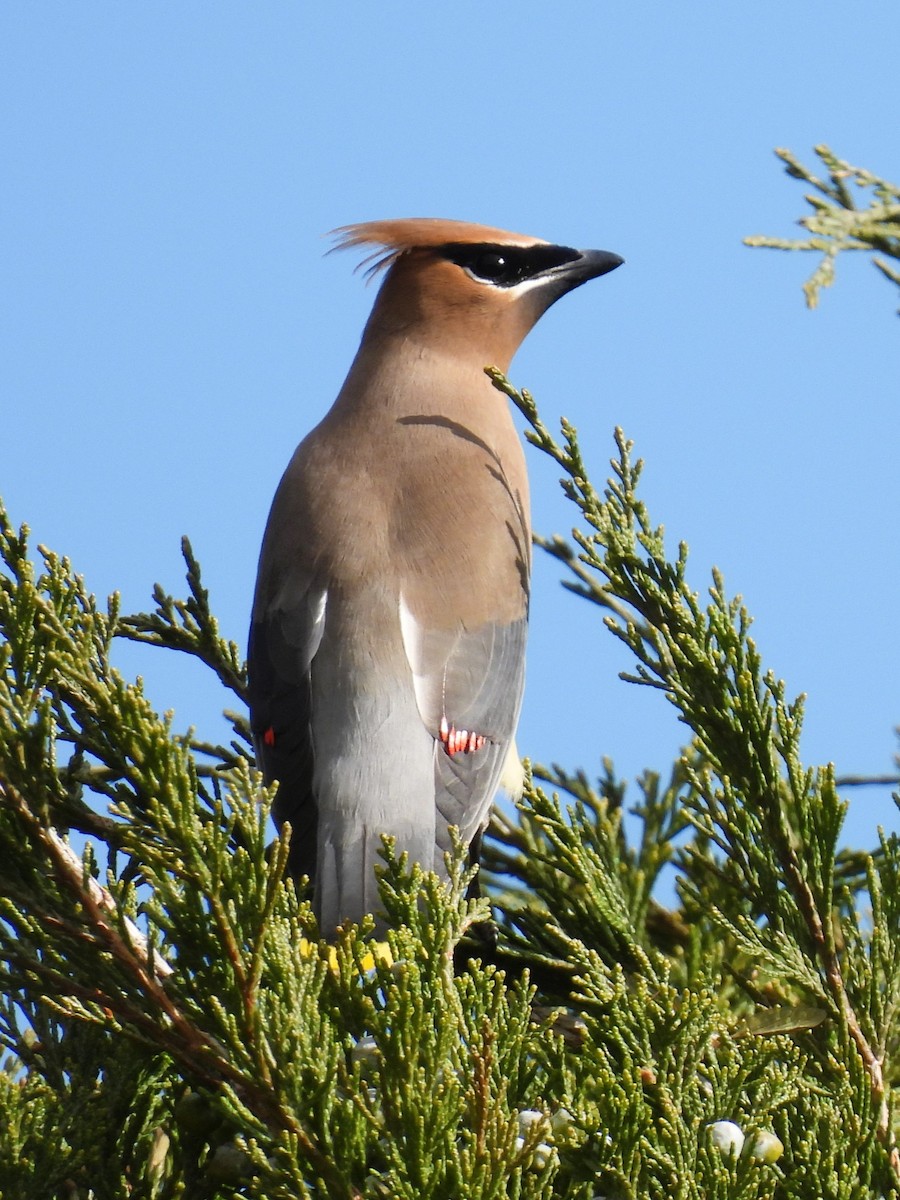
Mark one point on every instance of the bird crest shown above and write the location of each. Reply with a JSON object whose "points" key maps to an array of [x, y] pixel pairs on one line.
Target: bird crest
{"points": [[394, 238]]}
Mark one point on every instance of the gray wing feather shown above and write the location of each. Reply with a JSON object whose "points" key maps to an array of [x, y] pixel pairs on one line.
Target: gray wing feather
{"points": [[474, 679], [284, 637]]}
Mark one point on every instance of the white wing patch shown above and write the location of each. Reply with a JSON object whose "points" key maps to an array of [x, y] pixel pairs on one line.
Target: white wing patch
{"points": [[427, 652]]}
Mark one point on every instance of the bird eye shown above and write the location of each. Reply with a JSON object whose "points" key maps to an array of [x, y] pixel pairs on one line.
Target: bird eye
{"points": [[489, 265]]}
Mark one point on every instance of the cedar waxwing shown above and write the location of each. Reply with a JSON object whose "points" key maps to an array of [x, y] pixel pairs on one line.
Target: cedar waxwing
{"points": [[387, 644]]}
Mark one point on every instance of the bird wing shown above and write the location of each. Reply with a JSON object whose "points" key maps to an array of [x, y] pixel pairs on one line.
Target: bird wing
{"points": [[285, 634], [468, 685]]}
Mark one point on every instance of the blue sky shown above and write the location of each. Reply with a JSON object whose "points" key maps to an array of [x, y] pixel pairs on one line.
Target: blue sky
{"points": [[170, 327]]}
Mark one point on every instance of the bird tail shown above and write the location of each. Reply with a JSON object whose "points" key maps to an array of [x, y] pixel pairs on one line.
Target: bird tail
{"points": [[346, 879]]}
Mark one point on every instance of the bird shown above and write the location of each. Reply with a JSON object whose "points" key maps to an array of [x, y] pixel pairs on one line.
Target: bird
{"points": [[386, 659]]}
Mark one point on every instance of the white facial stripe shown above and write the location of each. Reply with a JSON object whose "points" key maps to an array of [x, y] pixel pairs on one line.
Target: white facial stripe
{"points": [[516, 289]]}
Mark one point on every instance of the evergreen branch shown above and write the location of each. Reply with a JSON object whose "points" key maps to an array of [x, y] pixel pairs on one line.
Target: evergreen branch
{"points": [[152, 1013], [66, 858], [189, 626], [587, 585], [836, 224], [268, 1065], [143, 969], [775, 824]]}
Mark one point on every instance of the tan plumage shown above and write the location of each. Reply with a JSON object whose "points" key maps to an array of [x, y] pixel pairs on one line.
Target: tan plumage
{"points": [[388, 633]]}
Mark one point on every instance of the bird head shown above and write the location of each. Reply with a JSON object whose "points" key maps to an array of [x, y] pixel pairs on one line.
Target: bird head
{"points": [[468, 290]]}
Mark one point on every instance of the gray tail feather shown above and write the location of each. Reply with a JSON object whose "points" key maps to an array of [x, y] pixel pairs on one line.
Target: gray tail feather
{"points": [[346, 884]]}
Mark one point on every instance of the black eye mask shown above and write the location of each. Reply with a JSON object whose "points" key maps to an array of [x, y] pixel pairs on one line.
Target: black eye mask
{"points": [[505, 266]]}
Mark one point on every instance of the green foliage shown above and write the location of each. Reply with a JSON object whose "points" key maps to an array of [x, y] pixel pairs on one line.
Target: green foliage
{"points": [[837, 223], [174, 1028], [182, 986]]}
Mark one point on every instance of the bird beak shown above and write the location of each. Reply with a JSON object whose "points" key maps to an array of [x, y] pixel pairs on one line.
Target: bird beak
{"points": [[590, 265]]}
